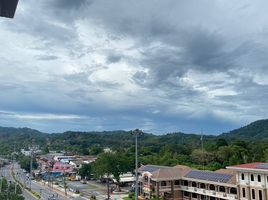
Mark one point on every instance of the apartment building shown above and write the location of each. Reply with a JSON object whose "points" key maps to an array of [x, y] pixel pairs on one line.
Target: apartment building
{"points": [[245, 182]]}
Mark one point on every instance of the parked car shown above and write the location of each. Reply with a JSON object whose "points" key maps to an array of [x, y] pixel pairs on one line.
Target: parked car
{"points": [[83, 181]]}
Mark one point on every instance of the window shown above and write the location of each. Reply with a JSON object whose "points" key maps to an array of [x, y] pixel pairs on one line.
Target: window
{"points": [[259, 178], [177, 182], [203, 186], [233, 191], [260, 195], [222, 189], [211, 187], [242, 176], [186, 194], [185, 183], [252, 177], [253, 194], [163, 183], [244, 192], [194, 195], [194, 184]]}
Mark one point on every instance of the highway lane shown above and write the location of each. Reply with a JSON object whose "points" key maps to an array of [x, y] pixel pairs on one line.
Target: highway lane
{"points": [[5, 172], [38, 187], [43, 190]]}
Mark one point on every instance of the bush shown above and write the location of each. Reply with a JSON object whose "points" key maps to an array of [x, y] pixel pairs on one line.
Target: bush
{"points": [[131, 195]]}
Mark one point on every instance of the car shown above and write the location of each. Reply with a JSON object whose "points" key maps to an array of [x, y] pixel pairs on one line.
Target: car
{"points": [[83, 181]]}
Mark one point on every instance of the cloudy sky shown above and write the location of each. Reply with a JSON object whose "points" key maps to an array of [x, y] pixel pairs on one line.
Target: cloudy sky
{"points": [[161, 66]]}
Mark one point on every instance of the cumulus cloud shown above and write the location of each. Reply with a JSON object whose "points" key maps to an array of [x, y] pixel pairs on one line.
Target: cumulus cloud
{"points": [[158, 65]]}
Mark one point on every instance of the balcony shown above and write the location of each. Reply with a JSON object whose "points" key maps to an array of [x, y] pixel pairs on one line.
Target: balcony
{"points": [[212, 193], [168, 188]]}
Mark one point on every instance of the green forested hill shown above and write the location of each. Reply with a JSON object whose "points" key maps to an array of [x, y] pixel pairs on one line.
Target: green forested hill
{"points": [[257, 130], [247, 144], [19, 138]]}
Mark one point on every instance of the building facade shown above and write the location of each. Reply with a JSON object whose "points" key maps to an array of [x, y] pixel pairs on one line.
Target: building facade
{"points": [[245, 182]]}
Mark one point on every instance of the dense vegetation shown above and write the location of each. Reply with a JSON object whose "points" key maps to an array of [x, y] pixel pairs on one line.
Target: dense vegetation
{"points": [[9, 190], [247, 144]]}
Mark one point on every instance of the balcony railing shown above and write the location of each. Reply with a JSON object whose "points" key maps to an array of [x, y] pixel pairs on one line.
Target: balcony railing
{"points": [[212, 193]]}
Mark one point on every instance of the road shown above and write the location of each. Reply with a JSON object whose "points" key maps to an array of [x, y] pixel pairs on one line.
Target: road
{"points": [[86, 190], [39, 188], [5, 171]]}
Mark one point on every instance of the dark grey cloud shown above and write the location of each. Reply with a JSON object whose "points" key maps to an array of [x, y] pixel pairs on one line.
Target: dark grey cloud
{"points": [[114, 58], [161, 65], [47, 57], [67, 4]]}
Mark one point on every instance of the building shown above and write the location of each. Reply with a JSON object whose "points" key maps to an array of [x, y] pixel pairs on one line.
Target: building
{"points": [[247, 181], [77, 164], [252, 180], [62, 167]]}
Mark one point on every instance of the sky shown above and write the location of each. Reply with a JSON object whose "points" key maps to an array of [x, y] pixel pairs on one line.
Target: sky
{"points": [[160, 66]]}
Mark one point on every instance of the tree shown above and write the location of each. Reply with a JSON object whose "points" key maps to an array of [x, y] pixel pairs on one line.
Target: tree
{"points": [[46, 150], [202, 157], [85, 170], [114, 164], [221, 142], [25, 162], [95, 150]]}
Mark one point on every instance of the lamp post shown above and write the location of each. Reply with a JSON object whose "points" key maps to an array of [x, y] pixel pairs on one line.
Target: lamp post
{"points": [[136, 133]]}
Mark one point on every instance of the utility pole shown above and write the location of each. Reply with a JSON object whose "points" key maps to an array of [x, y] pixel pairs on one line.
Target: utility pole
{"points": [[13, 157], [1, 184], [202, 146], [31, 168], [108, 187], [64, 182], [41, 193], [15, 188], [136, 133]]}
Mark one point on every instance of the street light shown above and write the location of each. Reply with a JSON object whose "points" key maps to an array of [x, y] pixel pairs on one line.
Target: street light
{"points": [[136, 133]]}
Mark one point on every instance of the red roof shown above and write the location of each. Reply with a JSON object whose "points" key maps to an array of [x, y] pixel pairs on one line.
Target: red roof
{"points": [[255, 165]]}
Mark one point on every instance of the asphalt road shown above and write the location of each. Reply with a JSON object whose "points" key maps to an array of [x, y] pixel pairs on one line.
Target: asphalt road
{"points": [[43, 190], [86, 190], [5, 171]]}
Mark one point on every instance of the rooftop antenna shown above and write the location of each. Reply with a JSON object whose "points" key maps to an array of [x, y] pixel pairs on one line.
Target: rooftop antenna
{"points": [[202, 147]]}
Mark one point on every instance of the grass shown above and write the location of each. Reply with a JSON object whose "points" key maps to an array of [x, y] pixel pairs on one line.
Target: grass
{"points": [[92, 186], [127, 198]]}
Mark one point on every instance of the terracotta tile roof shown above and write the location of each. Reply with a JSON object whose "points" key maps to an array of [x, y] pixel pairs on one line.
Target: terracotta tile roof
{"points": [[255, 165], [184, 169], [167, 174]]}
